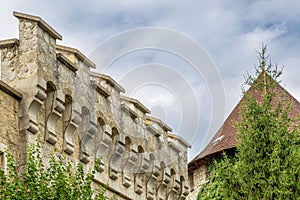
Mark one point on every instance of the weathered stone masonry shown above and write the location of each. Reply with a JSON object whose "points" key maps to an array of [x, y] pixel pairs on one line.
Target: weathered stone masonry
{"points": [[50, 90]]}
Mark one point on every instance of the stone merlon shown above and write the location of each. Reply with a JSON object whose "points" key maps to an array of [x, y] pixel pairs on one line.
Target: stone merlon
{"points": [[109, 80], [137, 104], [179, 139], [67, 62], [78, 54], [40, 22], [150, 119]]}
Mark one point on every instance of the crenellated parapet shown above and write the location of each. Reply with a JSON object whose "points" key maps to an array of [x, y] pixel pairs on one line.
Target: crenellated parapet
{"points": [[85, 116]]}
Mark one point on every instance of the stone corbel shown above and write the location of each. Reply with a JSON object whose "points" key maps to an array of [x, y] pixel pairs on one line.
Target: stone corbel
{"points": [[31, 123], [140, 175], [151, 183], [86, 146], [129, 168], [104, 147], [53, 117], [175, 187], [115, 167], [71, 127], [184, 190], [166, 178]]}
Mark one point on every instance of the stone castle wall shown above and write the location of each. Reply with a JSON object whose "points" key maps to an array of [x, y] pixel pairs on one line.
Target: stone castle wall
{"points": [[83, 115], [197, 178], [9, 122]]}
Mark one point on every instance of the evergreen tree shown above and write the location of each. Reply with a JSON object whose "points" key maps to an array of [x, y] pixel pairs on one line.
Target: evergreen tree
{"points": [[267, 162]]}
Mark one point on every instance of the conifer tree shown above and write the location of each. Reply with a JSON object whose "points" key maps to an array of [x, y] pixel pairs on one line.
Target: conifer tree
{"points": [[267, 160]]}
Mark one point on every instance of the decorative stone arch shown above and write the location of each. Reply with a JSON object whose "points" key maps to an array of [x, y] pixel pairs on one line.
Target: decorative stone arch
{"points": [[129, 167], [128, 142], [164, 181], [102, 150], [115, 126], [101, 122], [117, 150], [30, 106], [101, 118], [128, 147], [54, 107], [174, 186], [140, 151], [184, 188], [143, 172], [85, 120], [30, 121], [152, 180], [71, 120], [115, 135], [87, 130]]}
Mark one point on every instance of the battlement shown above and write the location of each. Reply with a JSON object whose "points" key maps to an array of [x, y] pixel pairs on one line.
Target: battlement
{"points": [[83, 115]]}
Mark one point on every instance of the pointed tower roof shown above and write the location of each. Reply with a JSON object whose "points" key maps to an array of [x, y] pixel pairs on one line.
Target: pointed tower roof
{"points": [[226, 137]]}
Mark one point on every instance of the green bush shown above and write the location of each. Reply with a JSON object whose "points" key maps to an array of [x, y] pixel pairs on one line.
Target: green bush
{"points": [[61, 180]]}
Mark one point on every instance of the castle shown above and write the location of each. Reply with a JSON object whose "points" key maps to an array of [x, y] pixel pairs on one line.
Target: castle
{"points": [[51, 90]]}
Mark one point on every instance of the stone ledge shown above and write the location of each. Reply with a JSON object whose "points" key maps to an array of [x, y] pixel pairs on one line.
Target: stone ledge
{"points": [[78, 54], [174, 147], [11, 91], [160, 123], [46, 27], [137, 104], [67, 62], [102, 90], [109, 80], [153, 130], [9, 43], [130, 111], [180, 139]]}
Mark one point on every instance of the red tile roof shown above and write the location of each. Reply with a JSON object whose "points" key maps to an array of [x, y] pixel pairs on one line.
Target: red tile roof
{"points": [[226, 136]]}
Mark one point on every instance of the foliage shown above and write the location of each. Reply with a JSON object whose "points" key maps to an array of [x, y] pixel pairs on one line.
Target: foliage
{"points": [[221, 182], [58, 181], [267, 160]]}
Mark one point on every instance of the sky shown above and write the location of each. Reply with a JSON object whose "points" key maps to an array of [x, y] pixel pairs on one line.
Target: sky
{"points": [[184, 60]]}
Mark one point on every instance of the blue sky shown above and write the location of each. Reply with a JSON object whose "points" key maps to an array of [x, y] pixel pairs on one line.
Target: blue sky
{"points": [[228, 31]]}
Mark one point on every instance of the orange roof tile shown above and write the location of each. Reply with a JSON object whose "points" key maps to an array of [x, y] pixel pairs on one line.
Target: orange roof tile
{"points": [[226, 136]]}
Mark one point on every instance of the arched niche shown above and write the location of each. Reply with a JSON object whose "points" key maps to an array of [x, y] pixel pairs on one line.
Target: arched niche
{"points": [[184, 187], [117, 151], [85, 147], [71, 119], [164, 181], [115, 135], [152, 182], [54, 107], [143, 172], [104, 146], [174, 186]]}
